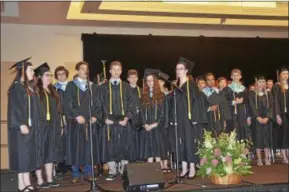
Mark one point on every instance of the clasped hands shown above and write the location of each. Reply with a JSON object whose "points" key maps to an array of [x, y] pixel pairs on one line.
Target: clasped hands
{"points": [[262, 120], [80, 119], [150, 127], [122, 123]]}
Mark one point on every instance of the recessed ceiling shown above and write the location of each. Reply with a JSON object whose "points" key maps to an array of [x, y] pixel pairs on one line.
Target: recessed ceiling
{"points": [[270, 14]]}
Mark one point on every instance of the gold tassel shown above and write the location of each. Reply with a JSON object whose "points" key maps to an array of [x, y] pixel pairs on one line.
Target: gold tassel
{"points": [[47, 107], [285, 102], [235, 105], [138, 91]]}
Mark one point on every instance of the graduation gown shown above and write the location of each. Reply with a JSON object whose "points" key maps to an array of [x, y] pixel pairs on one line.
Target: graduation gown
{"points": [[76, 103], [135, 121], [188, 130], [116, 140], [61, 90], [50, 141], [261, 106], [239, 111], [23, 154], [216, 119], [281, 107], [152, 142]]}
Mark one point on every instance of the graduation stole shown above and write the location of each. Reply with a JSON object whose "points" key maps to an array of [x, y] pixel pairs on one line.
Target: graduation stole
{"points": [[78, 84], [47, 106], [256, 99], [138, 92], [156, 111], [110, 98]]}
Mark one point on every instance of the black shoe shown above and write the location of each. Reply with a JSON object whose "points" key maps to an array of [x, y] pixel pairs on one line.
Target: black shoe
{"points": [[59, 176], [27, 189], [110, 177], [43, 186], [53, 184]]}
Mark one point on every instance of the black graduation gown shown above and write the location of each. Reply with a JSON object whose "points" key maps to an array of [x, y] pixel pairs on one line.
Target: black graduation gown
{"points": [[116, 141], [63, 125], [135, 121], [261, 133], [23, 154], [166, 132], [281, 102], [50, 141], [188, 131], [239, 113], [216, 119], [76, 102], [152, 142]]}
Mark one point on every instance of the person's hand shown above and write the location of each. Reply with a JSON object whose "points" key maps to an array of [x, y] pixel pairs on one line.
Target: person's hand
{"points": [[265, 120], [239, 100], [279, 120], [249, 121], [80, 119], [154, 125], [123, 122], [108, 122], [260, 120], [93, 120], [24, 129], [146, 126], [214, 108]]}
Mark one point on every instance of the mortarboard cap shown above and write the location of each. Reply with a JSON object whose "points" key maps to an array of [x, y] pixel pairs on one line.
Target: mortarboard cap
{"points": [[201, 78], [282, 69], [24, 63], [260, 77], [41, 69], [163, 75], [148, 72], [189, 64]]}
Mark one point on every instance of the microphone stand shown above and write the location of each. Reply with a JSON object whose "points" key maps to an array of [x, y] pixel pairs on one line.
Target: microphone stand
{"points": [[93, 187], [178, 179]]}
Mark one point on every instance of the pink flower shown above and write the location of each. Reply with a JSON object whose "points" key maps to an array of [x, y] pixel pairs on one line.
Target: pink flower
{"points": [[217, 151], [215, 162], [246, 151], [203, 161], [228, 159]]}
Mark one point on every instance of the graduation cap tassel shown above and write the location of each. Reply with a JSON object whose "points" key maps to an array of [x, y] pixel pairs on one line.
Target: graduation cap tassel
{"points": [[138, 91]]}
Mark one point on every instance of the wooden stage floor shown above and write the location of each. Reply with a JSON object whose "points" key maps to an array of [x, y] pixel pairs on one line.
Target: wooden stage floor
{"points": [[275, 174]]}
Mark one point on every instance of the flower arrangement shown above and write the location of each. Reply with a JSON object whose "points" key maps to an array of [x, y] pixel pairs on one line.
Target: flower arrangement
{"points": [[223, 156]]}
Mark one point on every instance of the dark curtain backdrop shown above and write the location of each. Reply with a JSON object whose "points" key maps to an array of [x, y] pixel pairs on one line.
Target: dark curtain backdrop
{"points": [[218, 55]]}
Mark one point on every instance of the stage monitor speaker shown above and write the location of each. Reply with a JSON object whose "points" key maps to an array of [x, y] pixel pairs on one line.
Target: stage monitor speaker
{"points": [[143, 177], [9, 180]]}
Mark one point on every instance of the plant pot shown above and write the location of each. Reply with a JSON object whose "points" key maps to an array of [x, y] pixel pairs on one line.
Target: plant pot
{"points": [[230, 179]]}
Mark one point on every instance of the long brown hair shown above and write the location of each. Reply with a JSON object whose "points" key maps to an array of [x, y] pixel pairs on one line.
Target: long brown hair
{"points": [[22, 73], [158, 95], [52, 91]]}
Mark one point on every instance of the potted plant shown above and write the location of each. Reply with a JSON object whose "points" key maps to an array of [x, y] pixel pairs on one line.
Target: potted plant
{"points": [[224, 159]]}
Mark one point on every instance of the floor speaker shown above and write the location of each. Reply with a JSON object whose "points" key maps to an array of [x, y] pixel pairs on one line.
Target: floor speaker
{"points": [[9, 181], [143, 177]]}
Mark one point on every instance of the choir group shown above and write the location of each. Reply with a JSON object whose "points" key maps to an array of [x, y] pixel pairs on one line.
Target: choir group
{"points": [[50, 124]]}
